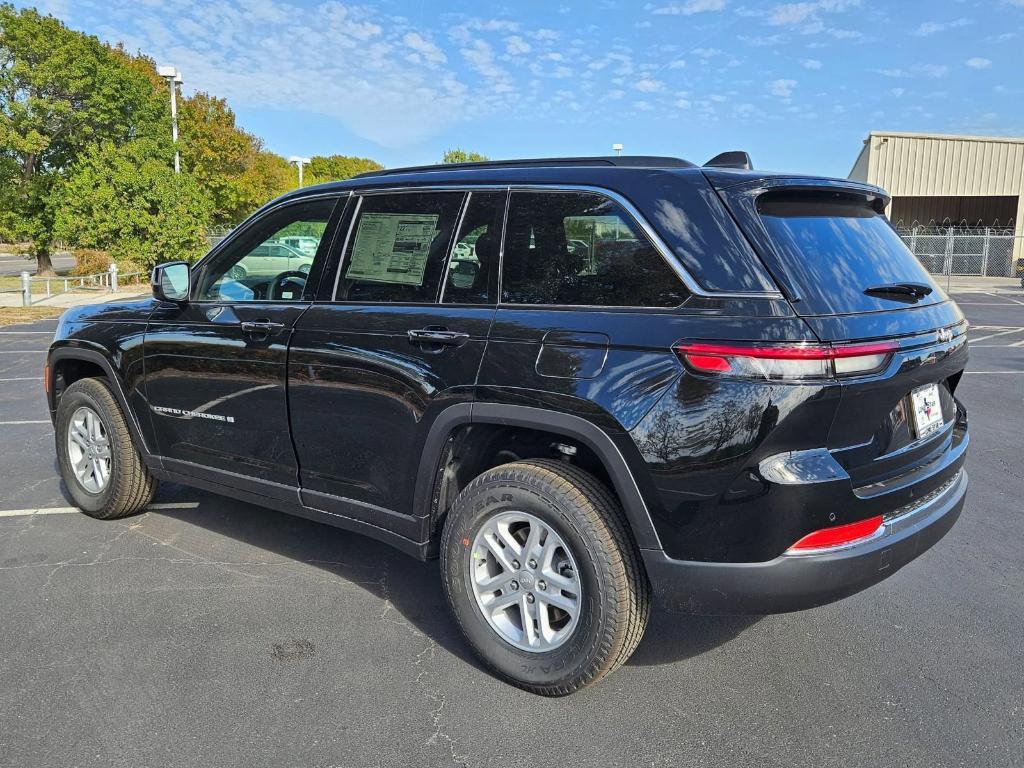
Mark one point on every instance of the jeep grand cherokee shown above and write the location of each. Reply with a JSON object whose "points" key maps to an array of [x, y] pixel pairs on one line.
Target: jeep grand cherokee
{"points": [[736, 396]]}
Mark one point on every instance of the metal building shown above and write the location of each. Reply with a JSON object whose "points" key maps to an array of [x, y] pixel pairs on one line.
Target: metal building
{"points": [[957, 200]]}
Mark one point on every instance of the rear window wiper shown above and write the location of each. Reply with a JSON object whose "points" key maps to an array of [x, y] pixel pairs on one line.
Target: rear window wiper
{"points": [[912, 291]]}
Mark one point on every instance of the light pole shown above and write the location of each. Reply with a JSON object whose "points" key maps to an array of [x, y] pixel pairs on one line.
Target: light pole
{"points": [[299, 162], [173, 78], [617, 149]]}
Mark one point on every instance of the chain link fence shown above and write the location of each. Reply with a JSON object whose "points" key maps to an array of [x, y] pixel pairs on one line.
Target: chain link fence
{"points": [[964, 251]]}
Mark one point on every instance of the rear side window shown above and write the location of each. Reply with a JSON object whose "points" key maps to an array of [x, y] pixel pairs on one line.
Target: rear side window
{"points": [[835, 245], [397, 247], [577, 248]]}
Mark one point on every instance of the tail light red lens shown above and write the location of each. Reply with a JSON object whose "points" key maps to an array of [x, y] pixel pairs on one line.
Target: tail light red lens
{"points": [[785, 361], [839, 536]]}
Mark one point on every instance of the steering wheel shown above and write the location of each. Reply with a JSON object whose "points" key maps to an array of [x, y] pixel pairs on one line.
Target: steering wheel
{"points": [[291, 281]]}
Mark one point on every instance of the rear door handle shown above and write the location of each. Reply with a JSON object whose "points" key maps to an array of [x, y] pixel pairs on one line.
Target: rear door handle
{"points": [[261, 327], [438, 336]]}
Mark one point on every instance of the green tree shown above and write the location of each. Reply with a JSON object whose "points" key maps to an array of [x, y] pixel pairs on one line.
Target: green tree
{"points": [[60, 92], [229, 163], [339, 167], [127, 200], [462, 156]]}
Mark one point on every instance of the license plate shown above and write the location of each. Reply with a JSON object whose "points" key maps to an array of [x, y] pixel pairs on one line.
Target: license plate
{"points": [[927, 409]]}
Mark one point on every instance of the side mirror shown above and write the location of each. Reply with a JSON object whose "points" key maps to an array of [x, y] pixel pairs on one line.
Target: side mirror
{"points": [[171, 281]]}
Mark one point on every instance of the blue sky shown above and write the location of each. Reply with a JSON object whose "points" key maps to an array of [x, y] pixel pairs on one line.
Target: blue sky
{"points": [[797, 84]]}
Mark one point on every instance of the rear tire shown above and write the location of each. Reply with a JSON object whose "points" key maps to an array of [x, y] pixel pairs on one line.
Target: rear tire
{"points": [[598, 577], [101, 468]]}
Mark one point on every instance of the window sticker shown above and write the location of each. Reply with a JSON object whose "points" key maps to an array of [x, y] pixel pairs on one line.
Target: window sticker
{"points": [[392, 247]]}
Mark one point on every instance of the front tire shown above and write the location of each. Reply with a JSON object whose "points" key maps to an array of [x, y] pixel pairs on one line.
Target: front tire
{"points": [[543, 576], [102, 470]]}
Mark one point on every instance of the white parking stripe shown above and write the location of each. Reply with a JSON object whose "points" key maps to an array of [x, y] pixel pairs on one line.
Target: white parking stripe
{"points": [[12, 423], [71, 510], [25, 333], [25, 378], [993, 335], [23, 351]]}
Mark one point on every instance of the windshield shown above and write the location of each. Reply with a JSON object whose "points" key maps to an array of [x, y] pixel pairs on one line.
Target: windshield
{"points": [[834, 245]]}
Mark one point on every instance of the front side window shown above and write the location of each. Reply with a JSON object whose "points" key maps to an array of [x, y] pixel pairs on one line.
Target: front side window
{"points": [[581, 248], [398, 246], [270, 260]]}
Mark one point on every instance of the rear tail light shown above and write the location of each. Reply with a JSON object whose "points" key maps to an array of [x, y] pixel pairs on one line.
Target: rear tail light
{"points": [[786, 361], [838, 536]]}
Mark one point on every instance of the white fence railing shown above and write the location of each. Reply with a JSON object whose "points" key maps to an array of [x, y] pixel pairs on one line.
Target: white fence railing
{"points": [[55, 286]]}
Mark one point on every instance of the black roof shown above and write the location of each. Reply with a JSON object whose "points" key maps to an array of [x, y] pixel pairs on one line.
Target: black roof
{"points": [[624, 161]]}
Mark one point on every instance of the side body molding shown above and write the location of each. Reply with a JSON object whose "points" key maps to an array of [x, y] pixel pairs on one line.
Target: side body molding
{"points": [[549, 421]]}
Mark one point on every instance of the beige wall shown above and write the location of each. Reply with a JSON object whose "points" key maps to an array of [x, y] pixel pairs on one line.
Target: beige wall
{"points": [[932, 165]]}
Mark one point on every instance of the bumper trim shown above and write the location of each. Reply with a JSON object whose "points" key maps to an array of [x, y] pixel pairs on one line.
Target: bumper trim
{"points": [[793, 582]]}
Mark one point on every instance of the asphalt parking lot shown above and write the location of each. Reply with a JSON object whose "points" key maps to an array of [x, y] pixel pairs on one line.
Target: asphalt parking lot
{"points": [[208, 632]]}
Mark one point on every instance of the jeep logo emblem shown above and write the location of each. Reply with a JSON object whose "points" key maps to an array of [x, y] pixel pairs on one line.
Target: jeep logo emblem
{"points": [[945, 335], [526, 579]]}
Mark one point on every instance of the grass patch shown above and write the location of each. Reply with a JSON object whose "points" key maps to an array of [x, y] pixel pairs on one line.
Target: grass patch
{"points": [[13, 315]]}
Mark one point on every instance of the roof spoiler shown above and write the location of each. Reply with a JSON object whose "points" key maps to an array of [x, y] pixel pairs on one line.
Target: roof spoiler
{"points": [[734, 159]]}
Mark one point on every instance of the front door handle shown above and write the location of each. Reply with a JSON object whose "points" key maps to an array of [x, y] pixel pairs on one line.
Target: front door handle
{"points": [[261, 327], [438, 336]]}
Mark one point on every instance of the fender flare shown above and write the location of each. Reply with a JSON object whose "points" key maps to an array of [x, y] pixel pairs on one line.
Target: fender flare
{"points": [[580, 429], [113, 379]]}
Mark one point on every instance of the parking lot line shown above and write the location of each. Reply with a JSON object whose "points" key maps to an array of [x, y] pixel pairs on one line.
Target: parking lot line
{"points": [[993, 335], [13, 423], [24, 378], [72, 510], [23, 351]]}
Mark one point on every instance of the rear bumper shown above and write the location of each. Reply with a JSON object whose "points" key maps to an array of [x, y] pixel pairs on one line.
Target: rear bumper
{"points": [[795, 582]]}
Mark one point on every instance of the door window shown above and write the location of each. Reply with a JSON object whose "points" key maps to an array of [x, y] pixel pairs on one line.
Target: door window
{"points": [[271, 259], [473, 267], [398, 246], [578, 248]]}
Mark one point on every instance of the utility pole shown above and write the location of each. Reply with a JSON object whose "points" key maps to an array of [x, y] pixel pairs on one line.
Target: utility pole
{"points": [[617, 149], [173, 78], [299, 162]]}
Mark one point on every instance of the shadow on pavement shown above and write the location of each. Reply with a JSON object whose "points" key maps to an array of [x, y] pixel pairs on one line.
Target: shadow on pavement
{"points": [[411, 587]]}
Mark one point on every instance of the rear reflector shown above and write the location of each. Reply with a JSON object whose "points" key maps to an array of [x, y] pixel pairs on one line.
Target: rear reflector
{"points": [[785, 361], [838, 536], [46, 379]]}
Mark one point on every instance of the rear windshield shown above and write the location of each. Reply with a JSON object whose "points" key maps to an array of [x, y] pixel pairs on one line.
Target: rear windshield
{"points": [[834, 245]]}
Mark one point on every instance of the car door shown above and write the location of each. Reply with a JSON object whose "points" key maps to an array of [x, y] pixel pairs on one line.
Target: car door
{"points": [[215, 367], [395, 339]]}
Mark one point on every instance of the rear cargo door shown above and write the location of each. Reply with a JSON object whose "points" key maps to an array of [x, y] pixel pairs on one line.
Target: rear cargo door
{"points": [[851, 278]]}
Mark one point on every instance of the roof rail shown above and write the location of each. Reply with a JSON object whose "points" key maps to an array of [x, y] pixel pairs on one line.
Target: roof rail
{"points": [[734, 159], [626, 161]]}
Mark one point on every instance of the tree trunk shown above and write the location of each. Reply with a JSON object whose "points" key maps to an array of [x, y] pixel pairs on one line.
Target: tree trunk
{"points": [[44, 267]]}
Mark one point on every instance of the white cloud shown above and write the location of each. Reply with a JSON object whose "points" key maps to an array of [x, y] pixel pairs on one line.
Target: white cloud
{"points": [[689, 7], [516, 46], [933, 70], [809, 17], [649, 85], [706, 53], [643, 106], [677, 64], [810, 64], [932, 27], [978, 63], [424, 48], [616, 94], [782, 88], [545, 34], [682, 103], [897, 92]]}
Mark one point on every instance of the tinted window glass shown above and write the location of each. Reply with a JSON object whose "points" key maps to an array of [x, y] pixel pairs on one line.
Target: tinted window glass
{"points": [[580, 248], [270, 259], [835, 245], [473, 268], [398, 247]]}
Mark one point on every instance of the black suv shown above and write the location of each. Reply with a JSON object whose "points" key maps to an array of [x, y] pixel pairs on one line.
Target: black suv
{"points": [[580, 382]]}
